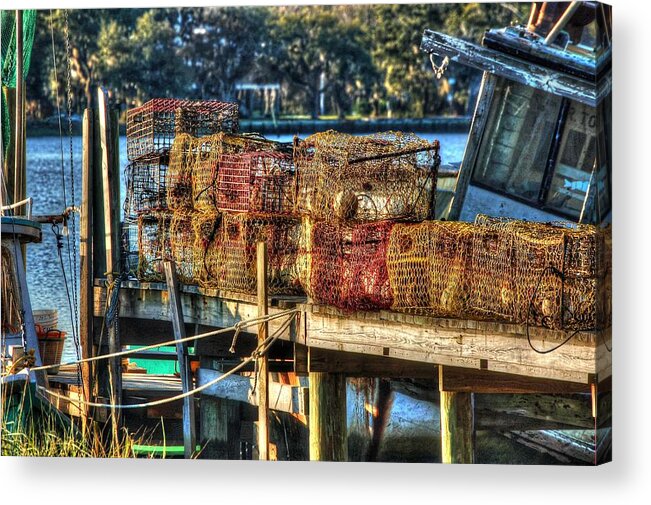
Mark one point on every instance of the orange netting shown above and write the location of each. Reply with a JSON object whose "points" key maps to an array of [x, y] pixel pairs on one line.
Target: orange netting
{"points": [[390, 175], [344, 265]]}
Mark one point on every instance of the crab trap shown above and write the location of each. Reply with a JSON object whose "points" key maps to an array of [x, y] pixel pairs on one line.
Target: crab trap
{"points": [[344, 265], [385, 176], [152, 127]]}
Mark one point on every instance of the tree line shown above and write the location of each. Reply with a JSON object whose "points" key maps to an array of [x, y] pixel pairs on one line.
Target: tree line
{"points": [[338, 60]]}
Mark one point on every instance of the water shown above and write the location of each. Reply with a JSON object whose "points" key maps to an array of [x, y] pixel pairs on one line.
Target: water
{"points": [[44, 275]]}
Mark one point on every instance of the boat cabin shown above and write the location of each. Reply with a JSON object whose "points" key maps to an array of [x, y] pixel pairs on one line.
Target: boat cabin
{"points": [[540, 141]]}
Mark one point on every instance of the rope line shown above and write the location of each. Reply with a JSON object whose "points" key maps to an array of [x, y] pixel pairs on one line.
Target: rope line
{"points": [[255, 355], [238, 326]]}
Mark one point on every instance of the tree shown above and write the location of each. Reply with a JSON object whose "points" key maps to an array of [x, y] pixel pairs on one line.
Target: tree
{"points": [[220, 45], [315, 50]]}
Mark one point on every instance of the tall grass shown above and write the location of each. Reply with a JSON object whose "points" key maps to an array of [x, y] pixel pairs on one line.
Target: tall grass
{"points": [[37, 431]]}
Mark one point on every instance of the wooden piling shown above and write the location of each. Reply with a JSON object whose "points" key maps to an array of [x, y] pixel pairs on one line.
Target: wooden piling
{"points": [[328, 430], [457, 426], [189, 438], [109, 245], [85, 258], [262, 388], [220, 428]]}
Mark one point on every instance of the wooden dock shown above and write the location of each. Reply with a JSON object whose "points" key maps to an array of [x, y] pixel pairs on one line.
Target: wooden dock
{"points": [[448, 358]]}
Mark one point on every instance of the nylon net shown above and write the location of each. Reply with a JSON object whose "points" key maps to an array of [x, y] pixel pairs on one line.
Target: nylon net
{"points": [[225, 251], [8, 60], [344, 265], [152, 127], [390, 175]]}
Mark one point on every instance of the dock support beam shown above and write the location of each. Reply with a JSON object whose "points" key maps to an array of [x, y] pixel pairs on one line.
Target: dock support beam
{"points": [[328, 430], [263, 376], [86, 261], [220, 428], [189, 437], [457, 426]]}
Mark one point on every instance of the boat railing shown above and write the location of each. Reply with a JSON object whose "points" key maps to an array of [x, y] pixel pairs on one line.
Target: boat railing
{"points": [[27, 203]]}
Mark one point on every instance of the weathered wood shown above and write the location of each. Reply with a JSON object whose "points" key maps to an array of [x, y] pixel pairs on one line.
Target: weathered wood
{"points": [[262, 389], [570, 410], [219, 428], [457, 427], [482, 109], [524, 72], [189, 437], [491, 350], [282, 397], [85, 257], [109, 207], [301, 360], [365, 365], [474, 344], [328, 427], [466, 380]]}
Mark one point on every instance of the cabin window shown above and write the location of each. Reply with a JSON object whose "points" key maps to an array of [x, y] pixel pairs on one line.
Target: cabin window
{"points": [[513, 154], [581, 166]]}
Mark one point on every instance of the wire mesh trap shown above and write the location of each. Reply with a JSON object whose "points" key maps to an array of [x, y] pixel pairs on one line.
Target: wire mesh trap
{"points": [[152, 127], [225, 251], [154, 245], [194, 166], [182, 245], [554, 275], [145, 181], [344, 265], [261, 182], [390, 175], [428, 267]]}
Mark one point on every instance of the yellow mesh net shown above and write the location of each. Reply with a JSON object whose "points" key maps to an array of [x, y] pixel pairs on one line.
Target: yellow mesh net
{"points": [[390, 175], [225, 252], [550, 275], [428, 267]]}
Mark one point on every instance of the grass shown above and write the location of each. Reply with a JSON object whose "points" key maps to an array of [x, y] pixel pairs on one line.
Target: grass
{"points": [[32, 428]]}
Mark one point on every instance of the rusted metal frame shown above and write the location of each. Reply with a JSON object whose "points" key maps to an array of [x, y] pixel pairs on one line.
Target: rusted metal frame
{"points": [[475, 136], [527, 73]]}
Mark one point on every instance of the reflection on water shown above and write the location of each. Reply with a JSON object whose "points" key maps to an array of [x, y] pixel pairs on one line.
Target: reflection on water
{"points": [[44, 184]]}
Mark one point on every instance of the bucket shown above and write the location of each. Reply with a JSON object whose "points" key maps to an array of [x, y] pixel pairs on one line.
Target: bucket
{"points": [[50, 346], [46, 318]]}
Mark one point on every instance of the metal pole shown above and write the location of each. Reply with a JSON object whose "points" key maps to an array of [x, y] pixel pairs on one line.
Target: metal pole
{"points": [[565, 18]]}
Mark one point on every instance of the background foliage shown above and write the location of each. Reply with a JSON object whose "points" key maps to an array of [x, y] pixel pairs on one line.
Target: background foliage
{"points": [[335, 60]]}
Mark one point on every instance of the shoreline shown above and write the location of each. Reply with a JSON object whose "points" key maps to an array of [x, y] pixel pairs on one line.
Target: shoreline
{"points": [[439, 124]]}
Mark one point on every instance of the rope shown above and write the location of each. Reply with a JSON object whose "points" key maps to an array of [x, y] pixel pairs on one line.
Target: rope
{"points": [[257, 353], [241, 324]]}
